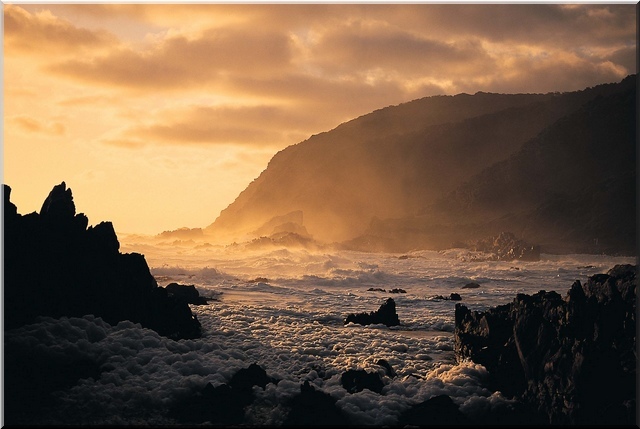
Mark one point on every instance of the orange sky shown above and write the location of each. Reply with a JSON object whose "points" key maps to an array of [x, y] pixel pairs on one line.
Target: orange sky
{"points": [[157, 116]]}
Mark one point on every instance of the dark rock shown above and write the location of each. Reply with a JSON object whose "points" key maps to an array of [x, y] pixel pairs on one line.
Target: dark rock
{"points": [[386, 315], [355, 380], [572, 359], [387, 368], [438, 411], [397, 290], [314, 408], [32, 376], [471, 285], [376, 289], [452, 297], [246, 378], [259, 280], [59, 204], [186, 293], [506, 247], [224, 404], [10, 209], [56, 266]]}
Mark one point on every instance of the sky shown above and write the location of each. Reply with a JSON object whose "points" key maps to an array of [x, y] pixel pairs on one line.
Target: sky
{"points": [[158, 115]]}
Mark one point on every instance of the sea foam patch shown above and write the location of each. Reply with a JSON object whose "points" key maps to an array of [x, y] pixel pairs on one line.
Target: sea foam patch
{"points": [[292, 326]]}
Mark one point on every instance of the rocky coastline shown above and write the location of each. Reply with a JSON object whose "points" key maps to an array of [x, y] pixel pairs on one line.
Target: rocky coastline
{"points": [[569, 360], [563, 360], [56, 265]]}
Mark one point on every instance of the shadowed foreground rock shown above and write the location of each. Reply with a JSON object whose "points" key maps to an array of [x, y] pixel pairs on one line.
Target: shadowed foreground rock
{"points": [[356, 380], [438, 411], [187, 294], [386, 315], [224, 404], [571, 359], [57, 266], [314, 408]]}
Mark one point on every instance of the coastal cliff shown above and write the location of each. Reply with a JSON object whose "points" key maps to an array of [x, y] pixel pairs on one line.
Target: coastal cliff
{"points": [[571, 359]]}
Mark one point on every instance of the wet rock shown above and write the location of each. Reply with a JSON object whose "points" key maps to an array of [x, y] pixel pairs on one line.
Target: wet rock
{"points": [[506, 247], [187, 294], [471, 285], [572, 359], [355, 380], [386, 315], [387, 368], [452, 297]]}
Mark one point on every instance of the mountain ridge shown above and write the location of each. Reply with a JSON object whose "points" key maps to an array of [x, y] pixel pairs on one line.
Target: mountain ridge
{"points": [[395, 161]]}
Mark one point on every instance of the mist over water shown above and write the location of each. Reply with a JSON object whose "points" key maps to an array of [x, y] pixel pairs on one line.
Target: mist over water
{"points": [[284, 309]]}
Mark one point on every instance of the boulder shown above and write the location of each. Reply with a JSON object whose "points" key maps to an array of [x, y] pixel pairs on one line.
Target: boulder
{"points": [[397, 290], [387, 368], [572, 359], [386, 315], [355, 380], [455, 297], [452, 297], [186, 293]]}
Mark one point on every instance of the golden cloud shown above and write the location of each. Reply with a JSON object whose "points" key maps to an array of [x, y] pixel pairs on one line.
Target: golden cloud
{"points": [[43, 32], [33, 125]]}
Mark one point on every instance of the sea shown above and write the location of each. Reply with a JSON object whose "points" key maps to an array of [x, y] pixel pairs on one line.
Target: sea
{"points": [[284, 309]]}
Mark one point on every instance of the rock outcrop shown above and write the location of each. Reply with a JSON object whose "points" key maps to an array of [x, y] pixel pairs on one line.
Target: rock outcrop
{"points": [[507, 247], [57, 266], [386, 315], [356, 380], [224, 404], [440, 410], [187, 294], [571, 359], [314, 408]]}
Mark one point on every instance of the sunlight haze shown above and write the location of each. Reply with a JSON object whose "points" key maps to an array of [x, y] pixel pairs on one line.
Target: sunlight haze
{"points": [[157, 116]]}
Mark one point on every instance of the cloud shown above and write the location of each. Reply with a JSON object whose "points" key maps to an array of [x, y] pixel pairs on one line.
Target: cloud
{"points": [[178, 61], [360, 46], [33, 125], [254, 125], [272, 75], [42, 32]]}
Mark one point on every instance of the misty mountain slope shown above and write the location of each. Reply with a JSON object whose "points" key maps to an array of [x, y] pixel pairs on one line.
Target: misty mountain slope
{"points": [[570, 189], [396, 161], [590, 146]]}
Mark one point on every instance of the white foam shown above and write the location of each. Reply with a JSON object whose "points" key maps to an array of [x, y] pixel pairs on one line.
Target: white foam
{"points": [[292, 326]]}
